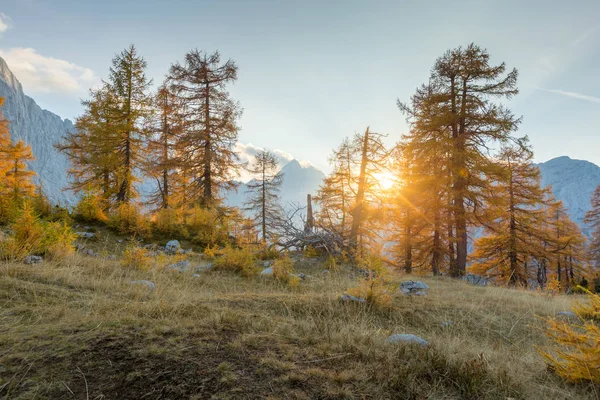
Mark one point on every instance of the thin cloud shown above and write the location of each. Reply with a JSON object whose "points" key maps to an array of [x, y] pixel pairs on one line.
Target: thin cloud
{"points": [[5, 23], [573, 95], [43, 74], [586, 35]]}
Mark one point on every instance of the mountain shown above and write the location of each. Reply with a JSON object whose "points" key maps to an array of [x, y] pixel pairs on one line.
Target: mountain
{"points": [[298, 181], [573, 182], [41, 129]]}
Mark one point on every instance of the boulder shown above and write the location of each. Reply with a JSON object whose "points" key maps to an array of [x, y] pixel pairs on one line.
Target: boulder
{"points": [[267, 271], [172, 246], [407, 338], [415, 288], [476, 280], [143, 282], [349, 298], [33, 260], [182, 266]]}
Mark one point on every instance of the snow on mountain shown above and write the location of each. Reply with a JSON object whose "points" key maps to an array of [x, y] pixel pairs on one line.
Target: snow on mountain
{"points": [[41, 129], [298, 181], [573, 182]]}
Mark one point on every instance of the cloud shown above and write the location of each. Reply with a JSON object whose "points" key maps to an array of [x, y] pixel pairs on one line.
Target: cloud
{"points": [[5, 23], [573, 95], [43, 74], [248, 151]]}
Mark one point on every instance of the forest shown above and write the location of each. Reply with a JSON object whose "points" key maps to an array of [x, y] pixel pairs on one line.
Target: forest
{"points": [[458, 194]]}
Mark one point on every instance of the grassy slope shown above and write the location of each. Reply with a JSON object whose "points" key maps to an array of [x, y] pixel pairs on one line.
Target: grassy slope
{"points": [[80, 330]]}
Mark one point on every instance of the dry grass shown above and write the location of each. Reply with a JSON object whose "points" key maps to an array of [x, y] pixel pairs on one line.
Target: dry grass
{"points": [[79, 329]]}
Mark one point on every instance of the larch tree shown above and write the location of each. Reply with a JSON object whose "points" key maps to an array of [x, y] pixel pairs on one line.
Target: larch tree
{"points": [[210, 120], [90, 148], [336, 193], [162, 162], [264, 189], [372, 161], [18, 178], [465, 84], [516, 210], [128, 83]]}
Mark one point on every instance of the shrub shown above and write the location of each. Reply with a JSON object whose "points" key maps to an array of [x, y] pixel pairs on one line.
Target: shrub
{"points": [[576, 354], [240, 261], [207, 226], [331, 263], [28, 235], [128, 220], [58, 240], [310, 252], [374, 290], [91, 207], [283, 271], [170, 221], [211, 251], [137, 258]]}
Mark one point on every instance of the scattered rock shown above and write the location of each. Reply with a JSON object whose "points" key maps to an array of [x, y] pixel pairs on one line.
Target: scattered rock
{"points": [[407, 338], [446, 324], [348, 297], [91, 253], [302, 276], [415, 288], [196, 275], [111, 257], [33, 260], [267, 271], [181, 266], [119, 240], [325, 272], [567, 314], [79, 247], [476, 280], [172, 246], [86, 235], [144, 282], [267, 264], [206, 267]]}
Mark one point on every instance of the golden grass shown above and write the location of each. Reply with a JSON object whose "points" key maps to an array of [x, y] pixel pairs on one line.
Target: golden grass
{"points": [[221, 335]]}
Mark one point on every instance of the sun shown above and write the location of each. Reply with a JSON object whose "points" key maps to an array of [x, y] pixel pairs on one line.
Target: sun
{"points": [[386, 180]]}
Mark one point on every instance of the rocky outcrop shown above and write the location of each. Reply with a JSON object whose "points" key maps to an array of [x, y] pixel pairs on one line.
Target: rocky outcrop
{"points": [[41, 129]]}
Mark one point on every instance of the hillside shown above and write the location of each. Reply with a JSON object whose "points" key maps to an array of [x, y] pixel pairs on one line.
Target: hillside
{"points": [[80, 329]]}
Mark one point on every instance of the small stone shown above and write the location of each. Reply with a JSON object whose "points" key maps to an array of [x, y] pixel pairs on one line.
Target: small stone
{"points": [[414, 288], [302, 276], [144, 282], [86, 235], [267, 264], [267, 271], [348, 297], [33, 260], [325, 272], [196, 275], [111, 257], [567, 314], [476, 280], [172, 246], [91, 253], [206, 267], [181, 266], [446, 324], [79, 247], [407, 338], [119, 240]]}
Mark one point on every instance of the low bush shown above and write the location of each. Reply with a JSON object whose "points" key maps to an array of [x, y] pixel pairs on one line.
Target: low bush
{"points": [[283, 271], [137, 258], [238, 260]]}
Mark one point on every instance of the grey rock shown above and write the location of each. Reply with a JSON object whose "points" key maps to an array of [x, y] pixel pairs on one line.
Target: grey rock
{"points": [[172, 246], [414, 288], [33, 260], [325, 272], [206, 267], [267, 271], [196, 275], [446, 324], [567, 314], [302, 276], [91, 253], [349, 298], [267, 264], [476, 280], [79, 247], [182, 266], [407, 338], [119, 240], [111, 257], [86, 235], [143, 282]]}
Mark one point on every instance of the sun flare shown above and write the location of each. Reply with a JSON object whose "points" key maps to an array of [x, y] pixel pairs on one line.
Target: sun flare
{"points": [[386, 180]]}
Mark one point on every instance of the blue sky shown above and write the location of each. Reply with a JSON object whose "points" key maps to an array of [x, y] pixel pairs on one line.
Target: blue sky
{"points": [[313, 72]]}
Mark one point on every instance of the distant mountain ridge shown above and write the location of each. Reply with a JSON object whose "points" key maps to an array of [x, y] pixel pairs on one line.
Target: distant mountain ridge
{"points": [[573, 182], [41, 129]]}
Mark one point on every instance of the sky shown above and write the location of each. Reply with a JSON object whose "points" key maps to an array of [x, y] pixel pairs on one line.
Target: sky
{"points": [[313, 72]]}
